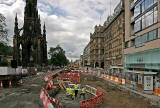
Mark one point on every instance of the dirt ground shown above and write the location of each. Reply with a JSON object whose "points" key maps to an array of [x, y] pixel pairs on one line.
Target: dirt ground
{"points": [[26, 96], [114, 97]]}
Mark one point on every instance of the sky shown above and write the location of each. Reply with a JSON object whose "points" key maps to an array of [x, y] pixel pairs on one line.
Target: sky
{"points": [[68, 22]]}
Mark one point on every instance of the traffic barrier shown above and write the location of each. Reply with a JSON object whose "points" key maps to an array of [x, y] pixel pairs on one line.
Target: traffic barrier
{"points": [[123, 81], [140, 86], [82, 71], [109, 77], [1, 84], [158, 91], [116, 79], [10, 84], [91, 90], [154, 91], [21, 82], [113, 79], [45, 99], [119, 80], [93, 101]]}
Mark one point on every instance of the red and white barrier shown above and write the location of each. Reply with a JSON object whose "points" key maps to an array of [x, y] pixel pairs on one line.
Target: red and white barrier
{"points": [[45, 99], [1, 84]]}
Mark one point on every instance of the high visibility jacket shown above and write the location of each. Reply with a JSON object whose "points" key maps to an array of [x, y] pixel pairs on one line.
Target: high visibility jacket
{"points": [[83, 90], [70, 91], [67, 90], [73, 95], [76, 86]]}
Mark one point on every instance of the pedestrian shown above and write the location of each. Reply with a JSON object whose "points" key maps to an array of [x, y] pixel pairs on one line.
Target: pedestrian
{"points": [[76, 89], [83, 92], [70, 92]]}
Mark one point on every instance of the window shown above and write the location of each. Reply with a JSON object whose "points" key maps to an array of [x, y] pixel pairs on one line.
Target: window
{"points": [[143, 22], [148, 3], [137, 9], [155, 1], [155, 15], [149, 18], [127, 44], [155, 34], [137, 25], [144, 38], [143, 6], [152, 35], [139, 41]]}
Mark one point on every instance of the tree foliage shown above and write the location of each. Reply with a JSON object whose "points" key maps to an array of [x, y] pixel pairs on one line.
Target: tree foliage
{"points": [[3, 30], [6, 50], [58, 57]]}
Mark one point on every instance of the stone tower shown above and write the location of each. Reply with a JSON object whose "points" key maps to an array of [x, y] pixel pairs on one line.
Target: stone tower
{"points": [[32, 41]]}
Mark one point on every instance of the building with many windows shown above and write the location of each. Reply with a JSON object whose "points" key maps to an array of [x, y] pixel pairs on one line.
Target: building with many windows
{"points": [[114, 38], [97, 47], [86, 57], [142, 35]]}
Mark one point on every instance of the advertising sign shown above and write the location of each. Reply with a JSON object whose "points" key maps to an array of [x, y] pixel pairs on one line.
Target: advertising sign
{"points": [[148, 82]]}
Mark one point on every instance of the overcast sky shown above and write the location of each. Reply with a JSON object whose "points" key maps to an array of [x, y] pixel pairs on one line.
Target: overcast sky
{"points": [[68, 22]]}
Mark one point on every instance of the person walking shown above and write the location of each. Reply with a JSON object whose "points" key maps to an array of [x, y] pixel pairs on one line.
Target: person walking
{"points": [[76, 86], [83, 92]]}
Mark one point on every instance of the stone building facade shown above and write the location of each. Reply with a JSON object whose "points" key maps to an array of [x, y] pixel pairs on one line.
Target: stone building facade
{"points": [[114, 38], [32, 41], [97, 47], [86, 52]]}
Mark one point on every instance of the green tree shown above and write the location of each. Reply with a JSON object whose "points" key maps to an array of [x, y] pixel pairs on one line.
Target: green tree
{"points": [[3, 30], [4, 62], [58, 57]]}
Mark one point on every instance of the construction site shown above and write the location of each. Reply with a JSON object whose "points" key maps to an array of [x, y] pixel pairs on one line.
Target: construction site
{"points": [[49, 90]]}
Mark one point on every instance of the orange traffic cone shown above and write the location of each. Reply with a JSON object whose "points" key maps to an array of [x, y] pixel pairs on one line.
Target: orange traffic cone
{"points": [[21, 82], [10, 84], [1, 84]]}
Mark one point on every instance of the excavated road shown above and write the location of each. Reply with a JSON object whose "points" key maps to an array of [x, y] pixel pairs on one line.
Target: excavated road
{"points": [[26, 96]]}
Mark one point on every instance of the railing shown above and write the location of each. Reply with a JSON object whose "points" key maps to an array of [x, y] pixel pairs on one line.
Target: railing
{"points": [[93, 102]]}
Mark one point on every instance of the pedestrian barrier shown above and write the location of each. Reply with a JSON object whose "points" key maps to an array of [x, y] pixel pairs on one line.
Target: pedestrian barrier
{"points": [[82, 71], [49, 76], [93, 101], [45, 99], [10, 84], [44, 96], [1, 84], [158, 91], [91, 90], [124, 81], [73, 77]]}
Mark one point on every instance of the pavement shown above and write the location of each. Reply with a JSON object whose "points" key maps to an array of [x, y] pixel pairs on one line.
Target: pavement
{"points": [[154, 100], [25, 96]]}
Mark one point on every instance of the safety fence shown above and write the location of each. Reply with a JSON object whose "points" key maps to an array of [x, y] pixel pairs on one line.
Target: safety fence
{"points": [[82, 71], [47, 100], [49, 76], [129, 83], [73, 77], [93, 102]]}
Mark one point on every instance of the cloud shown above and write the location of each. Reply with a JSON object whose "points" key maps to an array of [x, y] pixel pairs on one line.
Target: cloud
{"points": [[68, 22]]}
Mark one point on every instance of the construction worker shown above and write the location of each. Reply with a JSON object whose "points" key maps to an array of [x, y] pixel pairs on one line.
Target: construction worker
{"points": [[73, 95], [70, 92], [83, 92], [67, 90], [76, 86]]}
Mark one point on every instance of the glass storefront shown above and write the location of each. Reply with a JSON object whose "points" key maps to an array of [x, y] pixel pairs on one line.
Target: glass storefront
{"points": [[146, 60]]}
